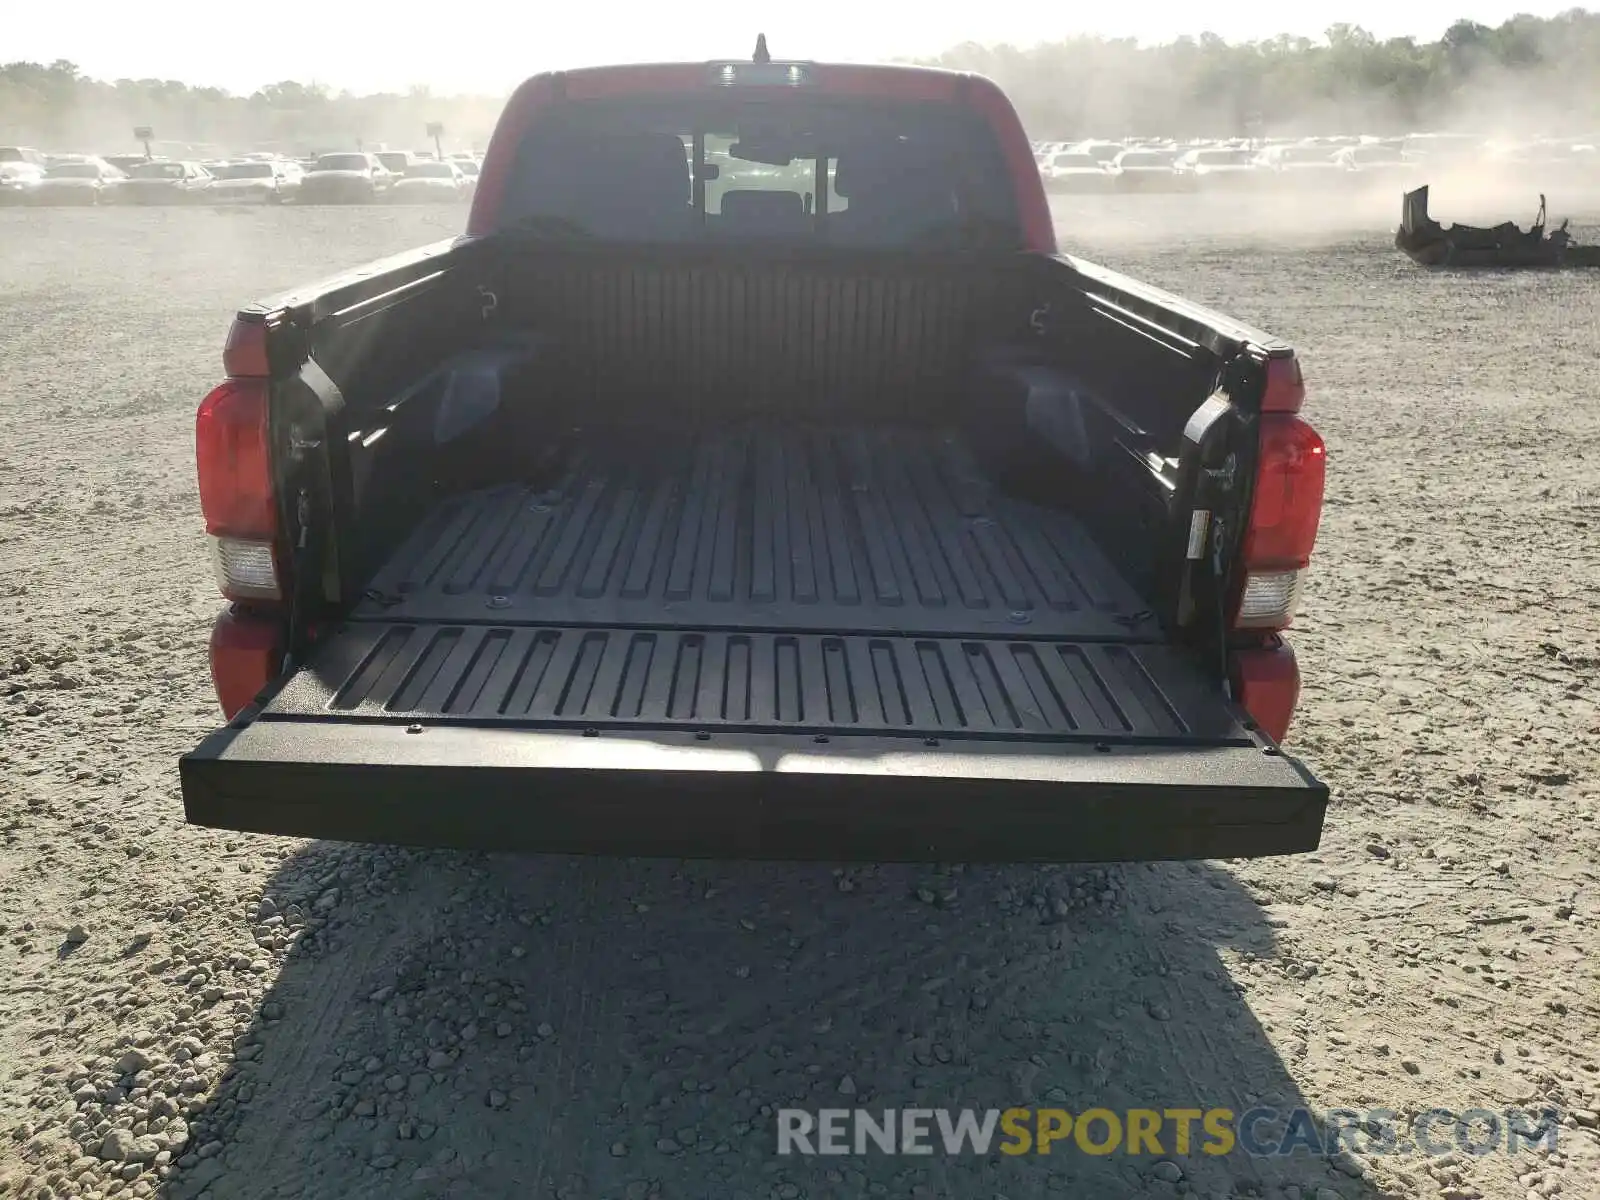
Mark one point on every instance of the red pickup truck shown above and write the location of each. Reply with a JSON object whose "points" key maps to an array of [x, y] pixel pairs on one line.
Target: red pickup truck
{"points": [[756, 478]]}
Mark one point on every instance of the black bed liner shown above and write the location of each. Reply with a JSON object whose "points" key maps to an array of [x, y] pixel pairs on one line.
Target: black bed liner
{"points": [[858, 531], [797, 644], [641, 679]]}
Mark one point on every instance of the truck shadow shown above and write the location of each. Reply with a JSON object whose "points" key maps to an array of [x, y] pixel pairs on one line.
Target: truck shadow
{"points": [[497, 1026]]}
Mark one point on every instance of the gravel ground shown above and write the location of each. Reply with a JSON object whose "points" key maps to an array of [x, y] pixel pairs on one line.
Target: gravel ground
{"points": [[185, 1012]]}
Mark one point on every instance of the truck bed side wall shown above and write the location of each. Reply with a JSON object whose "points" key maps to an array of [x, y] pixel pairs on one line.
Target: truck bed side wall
{"points": [[457, 375]]}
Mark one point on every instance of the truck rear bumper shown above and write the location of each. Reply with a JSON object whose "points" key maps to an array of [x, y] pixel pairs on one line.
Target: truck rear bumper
{"points": [[684, 794]]}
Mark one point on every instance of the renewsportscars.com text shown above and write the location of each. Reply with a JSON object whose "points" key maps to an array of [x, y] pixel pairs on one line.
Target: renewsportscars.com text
{"points": [[1258, 1132]]}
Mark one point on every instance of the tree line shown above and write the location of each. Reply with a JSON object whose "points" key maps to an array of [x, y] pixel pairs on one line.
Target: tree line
{"points": [[1529, 75], [56, 107]]}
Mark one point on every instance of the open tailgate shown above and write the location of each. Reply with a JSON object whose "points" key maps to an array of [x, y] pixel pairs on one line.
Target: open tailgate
{"points": [[759, 745]]}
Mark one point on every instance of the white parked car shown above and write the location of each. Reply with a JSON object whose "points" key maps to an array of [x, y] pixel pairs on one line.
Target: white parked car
{"points": [[1071, 171], [164, 182], [256, 181], [1144, 170], [18, 181], [431, 183], [1308, 164], [1103, 153], [1217, 167], [1375, 162], [78, 181]]}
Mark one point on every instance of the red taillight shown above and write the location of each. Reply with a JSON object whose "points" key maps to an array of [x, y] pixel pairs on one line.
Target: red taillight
{"points": [[232, 456], [244, 354], [245, 656], [1286, 386], [234, 461], [1288, 498], [1284, 516], [1266, 683]]}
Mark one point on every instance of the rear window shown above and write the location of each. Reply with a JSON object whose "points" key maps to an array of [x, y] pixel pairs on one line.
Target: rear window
{"points": [[395, 160], [806, 170], [74, 171], [153, 170], [244, 170], [341, 162], [1077, 161], [429, 170]]}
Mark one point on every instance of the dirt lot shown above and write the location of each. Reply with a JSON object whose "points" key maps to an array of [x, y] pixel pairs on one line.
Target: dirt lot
{"points": [[185, 1012]]}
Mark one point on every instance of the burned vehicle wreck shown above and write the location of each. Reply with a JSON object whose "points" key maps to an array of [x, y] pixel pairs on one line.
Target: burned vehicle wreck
{"points": [[1423, 240]]}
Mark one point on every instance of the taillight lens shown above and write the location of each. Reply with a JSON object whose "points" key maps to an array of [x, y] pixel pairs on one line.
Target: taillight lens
{"points": [[233, 460], [1284, 516], [244, 354], [1286, 386], [245, 569], [245, 655], [1266, 681], [230, 435], [1269, 599]]}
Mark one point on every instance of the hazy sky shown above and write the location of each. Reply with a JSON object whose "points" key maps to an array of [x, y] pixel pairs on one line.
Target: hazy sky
{"points": [[488, 47]]}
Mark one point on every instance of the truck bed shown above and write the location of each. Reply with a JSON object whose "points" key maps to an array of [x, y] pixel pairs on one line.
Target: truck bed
{"points": [[838, 530], [805, 643]]}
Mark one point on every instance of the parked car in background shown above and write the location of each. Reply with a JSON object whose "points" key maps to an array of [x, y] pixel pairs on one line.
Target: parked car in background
{"points": [[349, 177], [1307, 164], [79, 181], [397, 161], [18, 181], [1216, 167], [1374, 161], [1103, 153], [256, 181], [159, 182], [127, 162], [24, 154], [1143, 171], [1071, 171], [431, 183]]}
